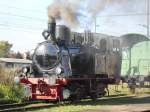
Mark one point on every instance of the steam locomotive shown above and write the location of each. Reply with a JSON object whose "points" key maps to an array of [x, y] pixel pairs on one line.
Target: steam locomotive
{"points": [[66, 69]]}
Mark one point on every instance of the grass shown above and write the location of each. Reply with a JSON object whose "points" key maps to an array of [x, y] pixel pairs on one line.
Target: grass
{"points": [[7, 75], [120, 97], [13, 93], [95, 105], [71, 108], [8, 89], [6, 101]]}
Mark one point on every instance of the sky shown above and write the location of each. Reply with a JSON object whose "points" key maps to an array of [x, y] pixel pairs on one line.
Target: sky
{"points": [[22, 21]]}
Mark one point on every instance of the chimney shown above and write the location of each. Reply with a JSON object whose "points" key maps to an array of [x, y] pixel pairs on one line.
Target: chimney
{"points": [[49, 34], [52, 28]]}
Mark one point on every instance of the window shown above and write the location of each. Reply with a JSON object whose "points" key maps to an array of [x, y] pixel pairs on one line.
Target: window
{"points": [[103, 45], [116, 45]]}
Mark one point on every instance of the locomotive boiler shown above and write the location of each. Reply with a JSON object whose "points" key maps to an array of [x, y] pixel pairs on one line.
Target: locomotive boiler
{"points": [[65, 69]]}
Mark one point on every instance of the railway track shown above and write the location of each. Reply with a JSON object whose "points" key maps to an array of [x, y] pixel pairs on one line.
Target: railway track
{"points": [[23, 107], [30, 106], [146, 111]]}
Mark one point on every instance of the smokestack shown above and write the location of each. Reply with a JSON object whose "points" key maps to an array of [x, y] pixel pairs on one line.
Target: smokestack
{"points": [[52, 28], [49, 34]]}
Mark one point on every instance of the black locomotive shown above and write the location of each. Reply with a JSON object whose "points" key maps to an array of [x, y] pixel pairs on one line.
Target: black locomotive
{"points": [[68, 66]]}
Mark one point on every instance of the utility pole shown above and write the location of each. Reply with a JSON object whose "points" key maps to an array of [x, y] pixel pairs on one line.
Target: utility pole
{"points": [[147, 23], [148, 18], [130, 56], [95, 25]]}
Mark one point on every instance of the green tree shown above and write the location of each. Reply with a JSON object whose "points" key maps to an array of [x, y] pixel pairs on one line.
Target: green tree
{"points": [[5, 47]]}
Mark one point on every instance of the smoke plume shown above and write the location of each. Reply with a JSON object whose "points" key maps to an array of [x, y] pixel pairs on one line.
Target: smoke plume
{"points": [[70, 10], [96, 6], [66, 10]]}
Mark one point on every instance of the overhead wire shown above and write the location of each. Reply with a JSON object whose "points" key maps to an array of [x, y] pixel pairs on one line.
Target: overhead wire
{"points": [[23, 9], [26, 10], [11, 27], [43, 20], [21, 16], [127, 14]]}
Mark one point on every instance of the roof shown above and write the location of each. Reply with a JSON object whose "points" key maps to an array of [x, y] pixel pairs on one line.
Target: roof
{"points": [[14, 60], [129, 40]]}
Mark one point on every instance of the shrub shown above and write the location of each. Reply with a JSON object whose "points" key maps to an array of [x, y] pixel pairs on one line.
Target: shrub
{"points": [[7, 75], [8, 89], [13, 93], [2, 95]]}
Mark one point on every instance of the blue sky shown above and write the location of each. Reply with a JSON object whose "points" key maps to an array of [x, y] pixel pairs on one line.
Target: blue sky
{"points": [[22, 21]]}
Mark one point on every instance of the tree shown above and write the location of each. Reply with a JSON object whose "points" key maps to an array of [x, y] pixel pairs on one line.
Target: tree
{"points": [[28, 56], [4, 48], [19, 55], [11, 54]]}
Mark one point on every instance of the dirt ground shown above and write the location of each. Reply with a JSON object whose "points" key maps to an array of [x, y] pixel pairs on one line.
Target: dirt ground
{"points": [[137, 103], [123, 108]]}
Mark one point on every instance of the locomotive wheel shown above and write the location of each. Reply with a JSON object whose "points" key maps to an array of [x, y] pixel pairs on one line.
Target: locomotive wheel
{"points": [[77, 92], [49, 101], [76, 96], [94, 96]]}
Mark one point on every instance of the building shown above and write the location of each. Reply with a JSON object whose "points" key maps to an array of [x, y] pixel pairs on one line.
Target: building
{"points": [[14, 63]]}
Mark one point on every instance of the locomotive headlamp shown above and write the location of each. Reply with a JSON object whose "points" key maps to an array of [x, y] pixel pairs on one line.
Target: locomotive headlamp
{"points": [[17, 80], [27, 91], [58, 70], [65, 93], [52, 80], [26, 69]]}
